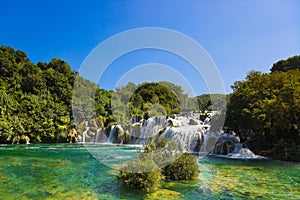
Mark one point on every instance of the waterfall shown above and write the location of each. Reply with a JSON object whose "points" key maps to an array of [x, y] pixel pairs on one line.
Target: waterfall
{"points": [[79, 138], [135, 131], [136, 119], [229, 146], [102, 136], [111, 134], [188, 132], [85, 133], [207, 120], [188, 136], [183, 133], [209, 141], [98, 135], [116, 135], [151, 126]]}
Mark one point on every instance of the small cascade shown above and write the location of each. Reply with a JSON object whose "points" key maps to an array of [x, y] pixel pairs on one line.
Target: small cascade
{"points": [[79, 138], [190, 137], [209, 141], [135, 131], [229, 146], [207, 120], [85, 132], [116, 135], [186, 132], [111, 134], [98, 134], [151, 126], [136, 119], [183, 133]]}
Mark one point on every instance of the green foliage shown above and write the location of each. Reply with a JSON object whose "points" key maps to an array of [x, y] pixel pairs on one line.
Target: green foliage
{"points": [[146, 100], [40, 96], [84, 99], [208, 102], [285, 65], [184, 168], [145, 173], [265, 110], [159, 149], [103, 102], [141, 174], [35, 98], [49, 98], [156, 93]]}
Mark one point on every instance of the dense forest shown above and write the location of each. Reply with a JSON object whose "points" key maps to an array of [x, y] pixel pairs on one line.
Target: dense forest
{"points": [[264, 110], [38, 104], [36, 100]]}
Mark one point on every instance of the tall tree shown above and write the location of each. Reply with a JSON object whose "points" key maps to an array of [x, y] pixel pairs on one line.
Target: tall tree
{"points": [[265, 110], [285, 65]]}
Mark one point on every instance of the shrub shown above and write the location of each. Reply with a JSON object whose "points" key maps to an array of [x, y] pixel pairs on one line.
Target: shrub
{"points": [[184, 168], [144, 173], [141, 174]]}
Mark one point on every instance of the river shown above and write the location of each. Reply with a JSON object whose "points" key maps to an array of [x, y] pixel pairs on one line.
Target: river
{"points": [[70, 171]]}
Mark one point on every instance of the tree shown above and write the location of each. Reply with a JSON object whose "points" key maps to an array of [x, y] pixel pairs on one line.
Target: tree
{"points": [[35, 99], [265, 110], [141, 174], [157, 93], [184, 168], [285, 65], [17, 129]]}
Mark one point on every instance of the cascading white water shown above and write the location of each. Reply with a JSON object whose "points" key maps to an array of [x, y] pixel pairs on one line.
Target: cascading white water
{"points": [[135, 130], [98, 134], [115, 135], [151, 126], [188, 132], [229, 146], [209, 141], [207, 120], [187, 135], [111, 134], [85, 133]]}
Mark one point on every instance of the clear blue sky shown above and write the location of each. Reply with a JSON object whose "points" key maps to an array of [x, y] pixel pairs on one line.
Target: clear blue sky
{"points": [[239, 35]]}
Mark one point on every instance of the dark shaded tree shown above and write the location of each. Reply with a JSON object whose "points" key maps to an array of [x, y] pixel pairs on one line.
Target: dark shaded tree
{"points": [[285, 65], [265, 110]]}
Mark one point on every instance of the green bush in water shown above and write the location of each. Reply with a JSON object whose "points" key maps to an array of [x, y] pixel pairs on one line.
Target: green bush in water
{"points": [[145, 174], [141, 174], [184, 168]]}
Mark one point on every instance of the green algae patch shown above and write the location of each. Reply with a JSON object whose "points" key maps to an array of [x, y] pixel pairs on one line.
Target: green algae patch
{"points": [[87, 195], [163, 194]]}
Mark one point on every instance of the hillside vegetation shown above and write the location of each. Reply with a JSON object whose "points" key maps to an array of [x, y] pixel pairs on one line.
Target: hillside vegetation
{"points": [[38, 104], [36, 100], [265, 110]]}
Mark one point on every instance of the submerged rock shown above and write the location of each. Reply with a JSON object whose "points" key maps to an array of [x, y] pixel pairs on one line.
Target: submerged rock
{"points": [[163, 194], [193, 122]]}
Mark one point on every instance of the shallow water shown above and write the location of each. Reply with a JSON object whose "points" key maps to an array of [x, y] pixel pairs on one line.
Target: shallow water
{"points": [[69, 171]]}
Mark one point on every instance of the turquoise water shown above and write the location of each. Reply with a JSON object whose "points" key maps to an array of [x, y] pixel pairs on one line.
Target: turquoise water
{"points": [[69, 171]]}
